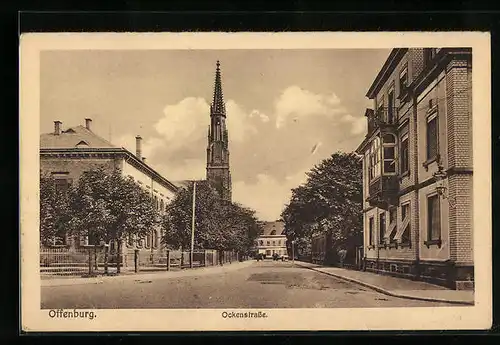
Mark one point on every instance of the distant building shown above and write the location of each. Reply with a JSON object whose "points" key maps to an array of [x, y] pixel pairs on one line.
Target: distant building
{"points": [[272, 241], [218, 172], [67, 154], [417, 167]]}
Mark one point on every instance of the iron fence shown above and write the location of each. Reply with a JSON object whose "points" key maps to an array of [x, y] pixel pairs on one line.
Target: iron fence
{"points": [[95, 260]]}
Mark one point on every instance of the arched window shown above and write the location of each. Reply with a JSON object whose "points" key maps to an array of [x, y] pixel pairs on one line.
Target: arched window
{"points": [[389, 153], [273, 232], [156, 203], [375, 159], [156, 239], [148, 240]]}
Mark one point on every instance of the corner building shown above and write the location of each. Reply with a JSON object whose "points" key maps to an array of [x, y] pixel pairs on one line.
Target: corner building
{"points": [[418, 166], [67, 154]]}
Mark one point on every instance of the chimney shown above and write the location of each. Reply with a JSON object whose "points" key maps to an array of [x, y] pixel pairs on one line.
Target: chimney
{"points": [[88, 122], [144, 159], [138, 148], [57, 127]]}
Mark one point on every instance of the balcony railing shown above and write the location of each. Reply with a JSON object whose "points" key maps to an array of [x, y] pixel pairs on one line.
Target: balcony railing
{"points": [[383, 116]]}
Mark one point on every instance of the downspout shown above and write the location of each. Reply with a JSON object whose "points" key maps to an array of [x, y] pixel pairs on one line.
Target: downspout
{"points": [[415, 179]]}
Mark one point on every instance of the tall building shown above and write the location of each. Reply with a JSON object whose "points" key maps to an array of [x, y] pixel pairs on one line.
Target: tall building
{"points": [[218, 173], [417, 167]]}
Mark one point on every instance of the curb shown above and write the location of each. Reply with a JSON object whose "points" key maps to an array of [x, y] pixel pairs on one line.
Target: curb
{"points": [[389, 293], [139, 276]]}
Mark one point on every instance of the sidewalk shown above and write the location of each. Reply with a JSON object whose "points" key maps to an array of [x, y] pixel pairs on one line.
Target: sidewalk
{"points": [[127, 276], [397, 287]]}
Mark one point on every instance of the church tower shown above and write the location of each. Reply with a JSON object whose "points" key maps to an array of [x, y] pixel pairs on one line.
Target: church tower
{"points": [[218, 174]]}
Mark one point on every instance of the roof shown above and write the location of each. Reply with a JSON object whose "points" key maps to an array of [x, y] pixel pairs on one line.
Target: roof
{"points": [[182, 184], [394, 57], [80, 140], [72, 137], [278, 227]]}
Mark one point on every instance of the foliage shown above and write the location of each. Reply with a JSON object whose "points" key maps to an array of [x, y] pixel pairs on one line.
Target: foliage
{"points": [[219, 224], [108, 206], [54, 211], [329, 202]]}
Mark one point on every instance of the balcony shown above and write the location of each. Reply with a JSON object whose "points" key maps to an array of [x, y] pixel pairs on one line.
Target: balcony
{"points": [[383, 191], [384, 118]]}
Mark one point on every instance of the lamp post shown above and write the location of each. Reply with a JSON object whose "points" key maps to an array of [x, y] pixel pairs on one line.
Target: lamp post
{"points": [[293, 252], [192, 225], [439, 176]]}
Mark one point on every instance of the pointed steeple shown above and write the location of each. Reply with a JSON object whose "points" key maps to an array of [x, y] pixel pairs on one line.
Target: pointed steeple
{"points": [[218, 106]]}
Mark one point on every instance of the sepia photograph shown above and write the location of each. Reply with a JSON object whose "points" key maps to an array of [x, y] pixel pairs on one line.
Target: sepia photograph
{"points": [[335, 181]]}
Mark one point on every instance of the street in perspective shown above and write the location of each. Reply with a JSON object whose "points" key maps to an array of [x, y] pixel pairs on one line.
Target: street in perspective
{"points": [[342, 190]]}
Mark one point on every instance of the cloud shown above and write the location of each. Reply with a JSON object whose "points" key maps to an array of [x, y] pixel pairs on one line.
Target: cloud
{"points": [[297, 102], [358, 123], [267, 195], [256, 113]]}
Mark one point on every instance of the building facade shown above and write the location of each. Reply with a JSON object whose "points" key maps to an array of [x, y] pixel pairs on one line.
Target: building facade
{"points": [[272, 241], [417, 167], [67, 154], [218, 172]]}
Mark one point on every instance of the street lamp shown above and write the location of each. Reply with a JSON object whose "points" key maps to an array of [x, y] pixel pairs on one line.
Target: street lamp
{"points": [[440, 176], [293, 252]]}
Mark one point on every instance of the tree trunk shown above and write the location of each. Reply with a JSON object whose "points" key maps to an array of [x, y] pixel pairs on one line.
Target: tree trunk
{"points": [[106, 258], [118, 256]]}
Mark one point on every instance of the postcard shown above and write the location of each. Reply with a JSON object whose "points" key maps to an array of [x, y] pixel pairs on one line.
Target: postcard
{"points": [[255, 181]]}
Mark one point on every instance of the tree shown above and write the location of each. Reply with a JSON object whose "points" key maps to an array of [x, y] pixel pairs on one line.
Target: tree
{"points": [[219, 224], [109, 207], [54, 211], [330, 203]]}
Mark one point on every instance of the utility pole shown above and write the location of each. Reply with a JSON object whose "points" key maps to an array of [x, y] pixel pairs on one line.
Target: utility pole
{"points": [[192, 224]]}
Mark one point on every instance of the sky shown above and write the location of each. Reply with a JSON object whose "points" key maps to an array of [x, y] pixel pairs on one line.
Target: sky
{"points": [[286, 109]]}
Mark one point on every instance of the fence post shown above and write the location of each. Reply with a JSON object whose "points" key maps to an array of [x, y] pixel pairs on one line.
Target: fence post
{"points": [[168, 259], [90, 262], [106, 248], [136, 260], [205, 254], [95, 259]]}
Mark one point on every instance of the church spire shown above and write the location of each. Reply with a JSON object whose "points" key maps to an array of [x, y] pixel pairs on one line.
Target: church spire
{"points": [[218, 101]]}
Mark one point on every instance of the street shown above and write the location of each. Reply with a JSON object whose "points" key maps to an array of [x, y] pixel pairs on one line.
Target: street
{"points": [[264, 284]]}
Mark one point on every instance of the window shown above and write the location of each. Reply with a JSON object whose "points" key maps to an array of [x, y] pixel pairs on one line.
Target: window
{"points": [[370, 231], [389, 145], [381, 224], [148, 240], [374, 160], [273, 232], [130, 241], [432, 136], [261, 242], [403, 82], [274, 243], [62, 183], [268, 243], [429, 54], [162, 205], [433, 218], [156, 239], [405, 216], [404, 156], [390, 107]]}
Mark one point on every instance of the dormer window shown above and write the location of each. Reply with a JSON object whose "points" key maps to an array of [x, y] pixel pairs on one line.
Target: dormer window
{"points": [[82, 144]]}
